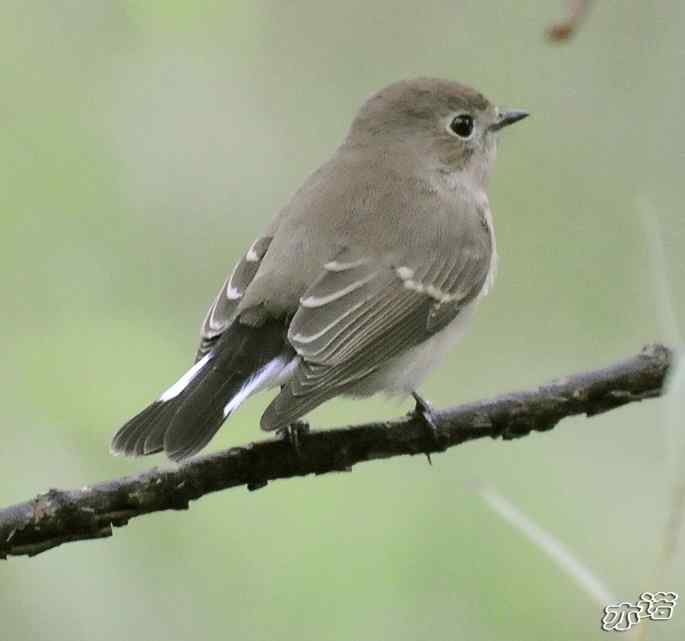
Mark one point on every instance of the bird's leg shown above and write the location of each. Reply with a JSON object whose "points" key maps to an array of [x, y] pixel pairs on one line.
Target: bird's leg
{"points": [[424, 411], [293, 434]]}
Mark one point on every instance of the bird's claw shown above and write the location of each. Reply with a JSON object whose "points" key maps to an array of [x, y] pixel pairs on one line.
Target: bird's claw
{"points": [[424, 411], [293, 434]]}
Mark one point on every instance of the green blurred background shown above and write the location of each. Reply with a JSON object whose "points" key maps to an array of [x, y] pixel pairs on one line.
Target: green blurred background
{"points": [[144, 144]]}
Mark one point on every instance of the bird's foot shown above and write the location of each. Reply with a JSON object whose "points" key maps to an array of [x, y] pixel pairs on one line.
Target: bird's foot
{"points": [[293, 435], [424, 411]]}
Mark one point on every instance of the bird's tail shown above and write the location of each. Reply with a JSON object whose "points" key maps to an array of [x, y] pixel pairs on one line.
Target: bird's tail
{"points": [[185, 417]]}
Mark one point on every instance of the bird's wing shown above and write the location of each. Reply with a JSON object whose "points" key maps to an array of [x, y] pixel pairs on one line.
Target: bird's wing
{"points": [[222, 311], [361, 312]]}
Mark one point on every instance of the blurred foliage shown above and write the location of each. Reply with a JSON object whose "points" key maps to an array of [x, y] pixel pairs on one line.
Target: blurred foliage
{"points": [[144, 145]]}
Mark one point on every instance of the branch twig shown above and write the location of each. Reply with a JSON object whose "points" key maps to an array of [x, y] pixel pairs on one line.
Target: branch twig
{"points": [[563, 30], [61, 516]]}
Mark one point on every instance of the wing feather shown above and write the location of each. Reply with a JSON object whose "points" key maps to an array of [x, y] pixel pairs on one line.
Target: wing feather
{"points": [[360, 316], [222, 311]]}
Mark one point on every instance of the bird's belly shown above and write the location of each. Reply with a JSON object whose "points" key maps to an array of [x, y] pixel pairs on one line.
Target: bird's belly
{"points": [[404, 373]]}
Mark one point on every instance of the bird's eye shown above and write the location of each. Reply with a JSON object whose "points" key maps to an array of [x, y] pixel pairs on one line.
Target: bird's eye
{"points": [[462, 125]]}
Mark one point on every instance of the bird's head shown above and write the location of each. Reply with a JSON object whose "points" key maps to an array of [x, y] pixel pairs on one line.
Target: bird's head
{"points": [[450, 126]]}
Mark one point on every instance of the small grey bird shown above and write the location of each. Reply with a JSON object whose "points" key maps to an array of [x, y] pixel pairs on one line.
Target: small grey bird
{"points": [[361, 282]]}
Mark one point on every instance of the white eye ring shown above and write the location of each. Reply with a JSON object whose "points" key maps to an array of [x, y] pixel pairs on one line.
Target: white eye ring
{"points": [[462, 125]]}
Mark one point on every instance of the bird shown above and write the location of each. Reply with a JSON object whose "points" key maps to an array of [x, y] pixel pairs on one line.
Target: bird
{"points": [[362, 281]]}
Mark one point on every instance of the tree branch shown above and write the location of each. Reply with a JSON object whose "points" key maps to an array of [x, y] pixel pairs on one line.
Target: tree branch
{"points": [[564, 29], [61, 516]]}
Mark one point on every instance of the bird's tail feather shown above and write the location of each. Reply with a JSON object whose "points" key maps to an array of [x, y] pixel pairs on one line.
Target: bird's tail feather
{"points": [[185, 417]]}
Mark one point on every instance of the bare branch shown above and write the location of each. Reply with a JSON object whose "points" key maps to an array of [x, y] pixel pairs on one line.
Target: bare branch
{"points": [[61, 516], [565, 29]]}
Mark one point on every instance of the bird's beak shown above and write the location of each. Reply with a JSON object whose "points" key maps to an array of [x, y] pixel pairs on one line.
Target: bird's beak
{"points": [[508, 117]]}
